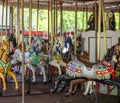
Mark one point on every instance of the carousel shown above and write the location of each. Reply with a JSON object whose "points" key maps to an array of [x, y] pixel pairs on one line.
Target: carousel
{"points": [[79, 66]]}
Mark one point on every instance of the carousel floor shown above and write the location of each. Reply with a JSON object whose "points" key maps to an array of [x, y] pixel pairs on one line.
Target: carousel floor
{"points": [[40, 93]]}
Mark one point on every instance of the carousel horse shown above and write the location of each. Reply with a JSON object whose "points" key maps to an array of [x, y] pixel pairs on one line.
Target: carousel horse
{"points": [[103, 72], [5, 67], [56, 54], [33, 59], [74, 83], [67, 51]]}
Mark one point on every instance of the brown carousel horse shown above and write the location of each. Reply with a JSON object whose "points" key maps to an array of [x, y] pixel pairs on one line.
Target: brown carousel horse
{"points": [[5, 67]]}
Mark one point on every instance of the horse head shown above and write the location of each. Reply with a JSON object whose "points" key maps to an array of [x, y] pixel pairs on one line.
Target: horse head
{"points": [[113, 55], [5, 47], [58, 45], [36, 45]]}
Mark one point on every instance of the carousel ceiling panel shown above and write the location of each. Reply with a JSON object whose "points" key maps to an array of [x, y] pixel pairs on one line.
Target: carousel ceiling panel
{"points": [[67, 4]]}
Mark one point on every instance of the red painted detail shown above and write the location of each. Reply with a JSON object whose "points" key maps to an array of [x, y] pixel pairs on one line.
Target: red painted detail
{"points": [[78, 70], [52, 68], [106, 63], [89, 79], [108, 89], [34, 32]]}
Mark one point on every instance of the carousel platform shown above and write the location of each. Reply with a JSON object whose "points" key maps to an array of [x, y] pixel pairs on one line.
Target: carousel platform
{"points": [[39, 93]]}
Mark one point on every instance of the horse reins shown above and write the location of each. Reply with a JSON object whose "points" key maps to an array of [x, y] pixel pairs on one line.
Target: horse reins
{"points": [[2, 53]]}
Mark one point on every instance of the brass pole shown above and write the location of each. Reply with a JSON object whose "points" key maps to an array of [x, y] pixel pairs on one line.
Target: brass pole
{"points": [[61, 19], [6, 2], [99, 31], [30, 22], [96, 28], [11, 19], [86, 16], [51, 23], [23, 68], [56, 17], [75, 35], [2, 18], [18, 22], [119, 17], [54, 20], [104, 27], [37, 19], [83, 18], [48, 20]]}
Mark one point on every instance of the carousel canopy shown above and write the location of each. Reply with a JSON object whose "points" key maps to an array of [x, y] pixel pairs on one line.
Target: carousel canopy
{"points": [[67, 4]]}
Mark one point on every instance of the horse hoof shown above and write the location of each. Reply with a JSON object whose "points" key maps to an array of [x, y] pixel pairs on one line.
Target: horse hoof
{"points": [[72, 93], [4, 90], [67, 94], [16, 89], [83, 95], [45, 83], [34, 83], [52, 91]]}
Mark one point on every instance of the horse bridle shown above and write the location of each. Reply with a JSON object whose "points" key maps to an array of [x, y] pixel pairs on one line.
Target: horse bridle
{"points": [[3, 50]]}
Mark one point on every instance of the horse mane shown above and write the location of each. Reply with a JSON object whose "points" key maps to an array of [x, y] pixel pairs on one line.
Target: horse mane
{"points": [[13, 39], [109, 54]]}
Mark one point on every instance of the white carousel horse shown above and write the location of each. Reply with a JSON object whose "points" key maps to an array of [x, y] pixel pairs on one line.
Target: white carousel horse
{"points": [[57, 57], [104, 72], [74, 83], [32, 59]]}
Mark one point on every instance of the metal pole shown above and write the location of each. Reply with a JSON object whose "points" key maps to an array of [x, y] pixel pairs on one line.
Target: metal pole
{"points": [[96, 29], [6, 2], [86, 16], [18, 22], [119, 17], [61, 19], [2, 18], [75, 35], [23, 88], [104, 27], [11, 19], [30, 22], [99, 31], [56, 17], [37, 19], [51, 23], [83, 18], [48, 20]]}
